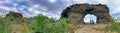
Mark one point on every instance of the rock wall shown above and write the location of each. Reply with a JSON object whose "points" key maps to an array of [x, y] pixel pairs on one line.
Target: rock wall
{"points": [[76, 13]]}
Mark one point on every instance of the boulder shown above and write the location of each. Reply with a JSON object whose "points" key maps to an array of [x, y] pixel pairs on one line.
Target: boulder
{"points": [[76, 13], [14, 14]]}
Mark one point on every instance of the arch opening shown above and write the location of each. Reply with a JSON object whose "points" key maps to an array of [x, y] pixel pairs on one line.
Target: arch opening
{"points": [[90, 19]]}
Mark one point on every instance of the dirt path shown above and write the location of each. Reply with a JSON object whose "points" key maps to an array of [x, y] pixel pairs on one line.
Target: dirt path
{"points": [[97, 28]]}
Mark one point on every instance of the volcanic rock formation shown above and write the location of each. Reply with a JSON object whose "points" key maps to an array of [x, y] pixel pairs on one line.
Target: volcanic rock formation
{"points": [[14, 14], [77, 12]]}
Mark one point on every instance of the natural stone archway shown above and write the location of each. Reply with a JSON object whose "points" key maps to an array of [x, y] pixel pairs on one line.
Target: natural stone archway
{"points": [[77, 12]]}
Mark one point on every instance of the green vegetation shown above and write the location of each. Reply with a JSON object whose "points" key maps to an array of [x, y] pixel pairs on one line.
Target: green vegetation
{"points": [[6, 24], [61, 26], [115, 26], [39, 24]]}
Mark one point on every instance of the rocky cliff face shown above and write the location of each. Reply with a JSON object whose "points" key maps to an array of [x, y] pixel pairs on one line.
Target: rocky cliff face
{"points": [[76, 13]]}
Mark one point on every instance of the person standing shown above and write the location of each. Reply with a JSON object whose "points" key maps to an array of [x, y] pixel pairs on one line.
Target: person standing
{"points": [[91, 21]]}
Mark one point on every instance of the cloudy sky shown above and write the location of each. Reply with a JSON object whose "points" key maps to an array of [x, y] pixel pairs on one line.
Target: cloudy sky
{"points": [[52, 8]]}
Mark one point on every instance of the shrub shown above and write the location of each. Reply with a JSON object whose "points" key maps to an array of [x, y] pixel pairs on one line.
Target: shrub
{"points": [[61, 26], [6, 24], [115, 26], [40, 24]]}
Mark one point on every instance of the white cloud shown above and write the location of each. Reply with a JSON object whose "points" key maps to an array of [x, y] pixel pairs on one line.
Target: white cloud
{"points": [[103, 1], [114, 6], [37, 12], [30, 9], [51, 1], [118, 9], [80, 1], [51, 15], [14, 4]]}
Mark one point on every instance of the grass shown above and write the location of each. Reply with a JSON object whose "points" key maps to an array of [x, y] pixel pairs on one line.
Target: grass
{"points": [[6, 24], [39, 24]]}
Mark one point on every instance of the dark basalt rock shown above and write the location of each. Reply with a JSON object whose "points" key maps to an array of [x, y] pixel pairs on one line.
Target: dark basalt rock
{"points": [[17, 16], [76, 13], [14, 14]]}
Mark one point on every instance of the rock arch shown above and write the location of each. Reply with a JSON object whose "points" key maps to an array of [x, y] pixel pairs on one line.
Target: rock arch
{"points": [[77, 12]]}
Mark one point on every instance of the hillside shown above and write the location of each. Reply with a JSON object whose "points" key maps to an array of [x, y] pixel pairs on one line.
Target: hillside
{"points": [[42, 24]]}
